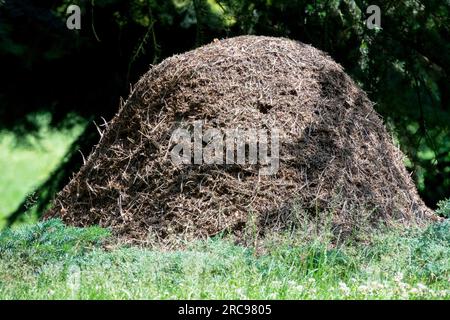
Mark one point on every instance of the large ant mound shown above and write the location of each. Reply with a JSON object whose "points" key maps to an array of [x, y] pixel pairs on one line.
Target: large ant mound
{"points": [[335, 156]]}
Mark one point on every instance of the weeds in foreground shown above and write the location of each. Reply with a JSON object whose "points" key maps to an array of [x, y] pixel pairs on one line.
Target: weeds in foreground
{"points": [[51, 261]]}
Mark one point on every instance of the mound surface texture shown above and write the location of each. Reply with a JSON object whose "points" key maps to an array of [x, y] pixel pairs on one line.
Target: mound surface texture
{"points": [[336, 156]]}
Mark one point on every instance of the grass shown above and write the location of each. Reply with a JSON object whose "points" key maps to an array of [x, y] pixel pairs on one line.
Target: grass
{"points": [[27, 162], [48, 260]]}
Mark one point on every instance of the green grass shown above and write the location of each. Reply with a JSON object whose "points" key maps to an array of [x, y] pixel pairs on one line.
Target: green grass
{"points": [[27, 162], [51, 261]]}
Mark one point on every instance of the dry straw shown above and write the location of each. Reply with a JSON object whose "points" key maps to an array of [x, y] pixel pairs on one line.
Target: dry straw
{"points": [[335, 156]]}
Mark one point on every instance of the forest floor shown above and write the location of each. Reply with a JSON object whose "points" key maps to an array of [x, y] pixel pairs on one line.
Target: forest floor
{"points": [[47, 260]]}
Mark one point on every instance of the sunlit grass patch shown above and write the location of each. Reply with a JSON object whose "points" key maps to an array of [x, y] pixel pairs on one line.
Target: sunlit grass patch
{"points": [[27, 161]]}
